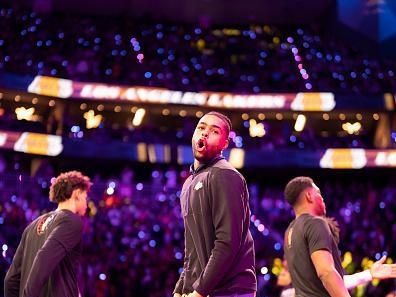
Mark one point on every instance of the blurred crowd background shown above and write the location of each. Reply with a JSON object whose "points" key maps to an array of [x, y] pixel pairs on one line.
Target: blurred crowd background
{"points": [[134, 242]]}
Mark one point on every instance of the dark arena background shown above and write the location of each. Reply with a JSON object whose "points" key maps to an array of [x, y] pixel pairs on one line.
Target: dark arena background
{"points": [[115, 89]]}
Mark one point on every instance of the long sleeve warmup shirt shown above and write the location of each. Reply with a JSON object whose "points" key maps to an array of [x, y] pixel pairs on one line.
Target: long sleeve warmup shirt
{"points": [[219, 249]]}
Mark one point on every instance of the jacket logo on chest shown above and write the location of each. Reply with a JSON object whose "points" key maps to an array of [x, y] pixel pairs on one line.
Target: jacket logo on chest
{"points": [[289, 238], [198, 185]]}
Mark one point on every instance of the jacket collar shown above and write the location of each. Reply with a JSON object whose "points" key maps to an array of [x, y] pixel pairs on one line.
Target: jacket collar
{"points": [[205, 165]]}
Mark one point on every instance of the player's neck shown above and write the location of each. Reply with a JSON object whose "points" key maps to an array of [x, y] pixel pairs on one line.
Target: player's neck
{"points": [[68, 204], [303, 210]]}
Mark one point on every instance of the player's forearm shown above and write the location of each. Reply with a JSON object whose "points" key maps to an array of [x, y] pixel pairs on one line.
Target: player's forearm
{"points": [[334, 284], [356, 279], [46, 260]]}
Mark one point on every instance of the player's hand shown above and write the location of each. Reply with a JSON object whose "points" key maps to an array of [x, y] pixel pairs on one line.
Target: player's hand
{"points": [[381, 271]]}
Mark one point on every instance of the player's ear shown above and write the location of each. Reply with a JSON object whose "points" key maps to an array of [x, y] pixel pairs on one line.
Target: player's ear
{"points": [[76, 194], [226, 143], [308, 196]]}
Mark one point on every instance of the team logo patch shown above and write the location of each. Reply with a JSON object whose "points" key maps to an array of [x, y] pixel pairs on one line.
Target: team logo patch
{"points": [[198, 185], [289, 237], [44, 223]]}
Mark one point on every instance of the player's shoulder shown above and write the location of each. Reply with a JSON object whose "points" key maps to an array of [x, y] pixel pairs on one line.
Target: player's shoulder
{"points": [[315, 225], [223, 167], [37, 220]]}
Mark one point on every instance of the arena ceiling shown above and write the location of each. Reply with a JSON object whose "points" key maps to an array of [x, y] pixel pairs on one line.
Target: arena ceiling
{"points": [[202, 11]]}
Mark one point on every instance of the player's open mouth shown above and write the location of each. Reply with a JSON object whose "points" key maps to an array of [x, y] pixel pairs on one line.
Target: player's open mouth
{"points": [[201, 145]]}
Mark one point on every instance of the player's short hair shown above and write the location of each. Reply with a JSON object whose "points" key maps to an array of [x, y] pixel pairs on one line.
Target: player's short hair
{"points": [[63, 186], [295, 187], [224, 118]]}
